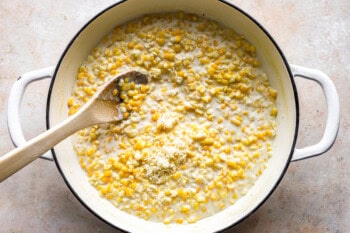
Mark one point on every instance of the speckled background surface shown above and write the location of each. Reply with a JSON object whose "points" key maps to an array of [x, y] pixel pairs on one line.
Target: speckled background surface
{"points": [[314, 195]]}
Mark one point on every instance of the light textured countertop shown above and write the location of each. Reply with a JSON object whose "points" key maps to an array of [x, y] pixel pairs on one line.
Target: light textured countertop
{"points": [[314, 195]]}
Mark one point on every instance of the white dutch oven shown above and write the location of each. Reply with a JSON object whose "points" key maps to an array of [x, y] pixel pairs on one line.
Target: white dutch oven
{"points": [[281, 76]]}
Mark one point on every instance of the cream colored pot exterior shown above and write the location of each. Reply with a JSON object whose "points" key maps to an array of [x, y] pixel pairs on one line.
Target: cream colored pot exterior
{"points": [[272, 61]]}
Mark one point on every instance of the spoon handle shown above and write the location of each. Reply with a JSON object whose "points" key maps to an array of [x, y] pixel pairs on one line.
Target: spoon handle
{"points": [[23, 155], [99, 109]]}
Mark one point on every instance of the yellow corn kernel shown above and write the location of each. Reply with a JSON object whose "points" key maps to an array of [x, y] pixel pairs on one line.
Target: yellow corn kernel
{"points": [[206, 99], [177, 48], [133, 185], [269, 148], [104, 190], [125, 114], [131, 93], [252, 139], [139, 46], [155, 116], [83, 69], [177, 39], [207, 141], [185, 208], [211, 186], [140, 144], [198, 180], [243, 163], [76, 105], [122, 145], [88, 91], [169, 56], [235, 121], [238, 146], [220, 119], [81, 75], [272, 93], [91, 150], [256, 155], [201, 89], [167, 192], [227, 149], [131, 45], [85, 99], [167, 220], [234, 195], [128, 192], [219, 185], [70, 102], [181, 73], [109, 196], [160, 41], [199, 137], [211, 71], [115, 92], [153, 209], [245, 141], [274, 112], [105, 179], [72, 111], [144, 88], [232, 164], [107, 173], [176, 175], [182, 193], [234, 107], [204, 60], [259, 172], [125, 182], [210, 162], [239, 174], [179, 220], [270, 133], [217, 145]]}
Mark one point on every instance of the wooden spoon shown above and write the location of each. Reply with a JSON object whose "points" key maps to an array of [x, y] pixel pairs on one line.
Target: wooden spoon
{"points": [[103, 107]]}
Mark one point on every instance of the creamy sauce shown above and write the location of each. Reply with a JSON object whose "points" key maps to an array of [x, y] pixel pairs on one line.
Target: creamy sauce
{"points": [[196, 138]]}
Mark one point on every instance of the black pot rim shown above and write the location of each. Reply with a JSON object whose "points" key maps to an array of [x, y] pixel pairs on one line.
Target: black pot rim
{"points": [[295, 99]]}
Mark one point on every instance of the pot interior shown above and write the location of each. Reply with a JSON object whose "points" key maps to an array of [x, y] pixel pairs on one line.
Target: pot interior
{"points": [[273, 64]]}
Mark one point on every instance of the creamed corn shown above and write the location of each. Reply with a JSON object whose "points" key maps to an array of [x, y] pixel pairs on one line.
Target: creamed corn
{"points": [[196, 138]]}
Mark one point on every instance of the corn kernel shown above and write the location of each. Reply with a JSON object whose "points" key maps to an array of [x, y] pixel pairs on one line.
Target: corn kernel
{"points": [[131, 45], [155, 116], [179, 220], [232, 164], [140, 144], [178, 39], [70, 102], [160, 41], [177, 175], [272, 93], [274, 112], [185, 208], [235, 121], [115, 92], [107, 173]]}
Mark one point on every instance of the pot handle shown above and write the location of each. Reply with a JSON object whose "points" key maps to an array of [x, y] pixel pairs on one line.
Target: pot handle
{"points": [[333, 112], [14, 103]]}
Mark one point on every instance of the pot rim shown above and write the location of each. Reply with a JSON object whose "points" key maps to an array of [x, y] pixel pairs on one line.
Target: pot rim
{"points": [[285, 62]]}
